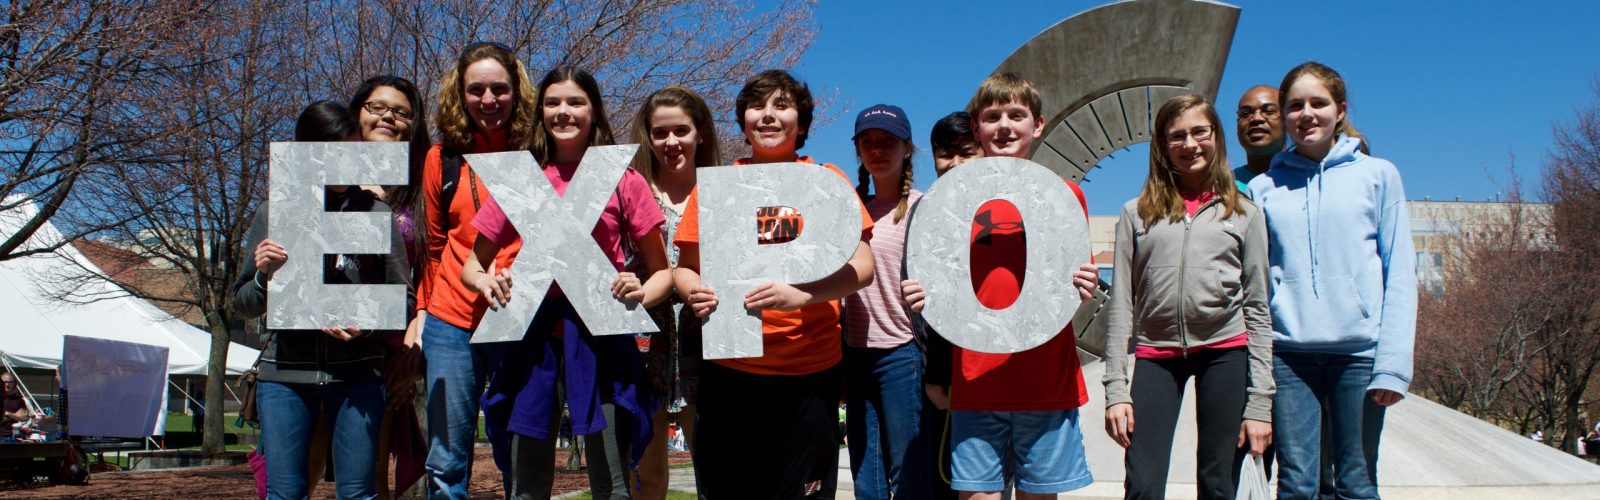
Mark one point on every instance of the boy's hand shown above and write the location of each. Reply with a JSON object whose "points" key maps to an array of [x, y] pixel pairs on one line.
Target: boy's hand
{"points": [[346, 334], [703, 301], [269, 257], [937, 394], [1119, 423], [1087, 279], [627, 288], [914, 295], [494, 285], [1257, 433], [776, 296]]}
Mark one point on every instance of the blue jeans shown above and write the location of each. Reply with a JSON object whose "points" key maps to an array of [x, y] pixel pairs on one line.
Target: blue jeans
{"points": [[289, 418], [1308, 383], [888, 451], [456, 371]]}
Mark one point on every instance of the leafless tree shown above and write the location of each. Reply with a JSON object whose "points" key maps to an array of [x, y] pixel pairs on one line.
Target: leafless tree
{"points": [[67, 68], [242, 69]]}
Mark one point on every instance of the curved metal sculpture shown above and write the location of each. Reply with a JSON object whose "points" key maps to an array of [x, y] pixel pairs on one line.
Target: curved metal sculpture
{"points": [[1104, 72]]}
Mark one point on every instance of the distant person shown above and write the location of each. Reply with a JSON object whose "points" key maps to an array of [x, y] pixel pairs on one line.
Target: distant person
{"points": [[335, 373], [1013, 416], [1260, 129], [1212, 326], [197, 413], [1344, 299], [16, 409]]}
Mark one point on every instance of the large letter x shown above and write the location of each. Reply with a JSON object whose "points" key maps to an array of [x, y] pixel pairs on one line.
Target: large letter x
{"points": [[557, 244]]}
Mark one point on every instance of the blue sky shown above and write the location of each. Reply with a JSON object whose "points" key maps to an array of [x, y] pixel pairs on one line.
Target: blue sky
{"points": [[1448, 91]]}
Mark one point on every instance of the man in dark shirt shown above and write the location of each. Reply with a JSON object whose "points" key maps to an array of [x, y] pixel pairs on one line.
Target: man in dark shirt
{"points": [[15, 409]]}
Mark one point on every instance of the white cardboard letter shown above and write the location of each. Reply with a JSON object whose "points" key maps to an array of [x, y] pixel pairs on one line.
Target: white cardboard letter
{"points": [[557, 244], [297, 299], [938, 254], [731, 261]]}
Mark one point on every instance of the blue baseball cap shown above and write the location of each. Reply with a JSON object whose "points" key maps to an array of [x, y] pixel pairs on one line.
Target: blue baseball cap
{"points": [[884, 117]]}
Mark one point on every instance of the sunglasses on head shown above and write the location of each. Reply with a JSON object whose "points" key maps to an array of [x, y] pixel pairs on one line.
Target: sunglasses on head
{"points": [[496, 45]]}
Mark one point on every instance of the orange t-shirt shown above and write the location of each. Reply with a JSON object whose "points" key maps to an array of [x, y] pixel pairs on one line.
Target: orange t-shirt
{"points": [[441, 293], [798, 342]]}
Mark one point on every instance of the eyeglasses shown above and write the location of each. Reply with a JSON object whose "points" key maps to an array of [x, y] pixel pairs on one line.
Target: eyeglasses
{"points": [[1266, 110], [378, 109], [1200, 133]]}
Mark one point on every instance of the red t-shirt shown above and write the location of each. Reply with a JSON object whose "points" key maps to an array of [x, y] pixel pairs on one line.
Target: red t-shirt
{"points": [[798, 342], [1046, 377]]}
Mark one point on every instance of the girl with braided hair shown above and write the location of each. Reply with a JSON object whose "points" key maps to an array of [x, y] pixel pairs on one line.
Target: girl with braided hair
{"points": [[883, 366]]}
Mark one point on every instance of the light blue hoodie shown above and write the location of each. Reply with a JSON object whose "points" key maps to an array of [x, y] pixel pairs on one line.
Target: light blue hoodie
{"points": [[1343, 269]]}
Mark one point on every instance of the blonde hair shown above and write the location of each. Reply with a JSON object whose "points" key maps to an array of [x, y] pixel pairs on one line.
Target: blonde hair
{"points": [[1160, 197], [864, 179], [1336, 88], [1003, 88], [456, 126]]}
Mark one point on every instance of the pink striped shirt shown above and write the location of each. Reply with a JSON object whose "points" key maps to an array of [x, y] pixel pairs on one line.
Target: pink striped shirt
{"points": [[876, 316]]}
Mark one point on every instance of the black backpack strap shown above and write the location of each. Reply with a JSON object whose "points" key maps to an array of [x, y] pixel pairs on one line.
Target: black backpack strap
{"points": [[450, 177]]}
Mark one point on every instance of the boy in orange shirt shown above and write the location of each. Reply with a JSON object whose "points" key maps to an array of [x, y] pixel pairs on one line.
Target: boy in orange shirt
{"points": [[766, 426], [1021, 408]]}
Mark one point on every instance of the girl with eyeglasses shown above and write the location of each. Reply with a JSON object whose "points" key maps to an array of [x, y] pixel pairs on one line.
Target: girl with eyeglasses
{"points": [[1344, 289], [1190, 290], [387, 109], [486, 105], [602, 376]]}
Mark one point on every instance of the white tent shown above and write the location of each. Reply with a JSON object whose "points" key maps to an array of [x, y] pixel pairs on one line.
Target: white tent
{"points": [[33, 325]]}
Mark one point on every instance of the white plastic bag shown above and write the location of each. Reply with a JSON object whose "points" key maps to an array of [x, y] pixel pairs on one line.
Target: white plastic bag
{"points": [[1253, 480]]}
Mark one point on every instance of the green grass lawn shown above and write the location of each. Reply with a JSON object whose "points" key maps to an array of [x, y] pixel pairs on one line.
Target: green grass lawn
{"points": [[179, 422]]}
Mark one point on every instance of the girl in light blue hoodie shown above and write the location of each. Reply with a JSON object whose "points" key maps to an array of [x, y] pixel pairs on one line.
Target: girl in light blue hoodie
{"points": [[1344, 289]]}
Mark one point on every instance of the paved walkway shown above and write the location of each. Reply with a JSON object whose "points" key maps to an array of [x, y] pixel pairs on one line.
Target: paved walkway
{"points": [[682, 479]]}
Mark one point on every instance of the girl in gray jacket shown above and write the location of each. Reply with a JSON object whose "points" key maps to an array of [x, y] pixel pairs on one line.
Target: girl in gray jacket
{"points": [[1190, 286]]}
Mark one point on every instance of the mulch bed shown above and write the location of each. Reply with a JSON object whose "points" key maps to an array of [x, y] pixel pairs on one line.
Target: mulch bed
{"points": [[237, 482]]}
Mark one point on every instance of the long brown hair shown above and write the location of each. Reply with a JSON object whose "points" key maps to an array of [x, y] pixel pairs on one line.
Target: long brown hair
{"points": [[420, 141], [455, 125], [1336, 88], [1160, 198], [705, 153], [599, 128]]}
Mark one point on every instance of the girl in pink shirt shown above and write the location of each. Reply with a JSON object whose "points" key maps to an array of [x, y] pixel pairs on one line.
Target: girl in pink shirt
{"points": [[603, 376]]}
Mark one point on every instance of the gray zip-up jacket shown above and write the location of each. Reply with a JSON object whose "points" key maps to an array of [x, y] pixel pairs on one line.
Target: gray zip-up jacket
{"points": [[1189, 284]]}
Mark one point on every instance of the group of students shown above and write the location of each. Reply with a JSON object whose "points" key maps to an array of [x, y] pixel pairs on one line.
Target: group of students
{"points": [[926, 419]]}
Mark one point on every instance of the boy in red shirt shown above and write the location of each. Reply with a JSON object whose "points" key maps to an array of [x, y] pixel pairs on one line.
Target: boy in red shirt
{"points": [[1018, 409]]}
